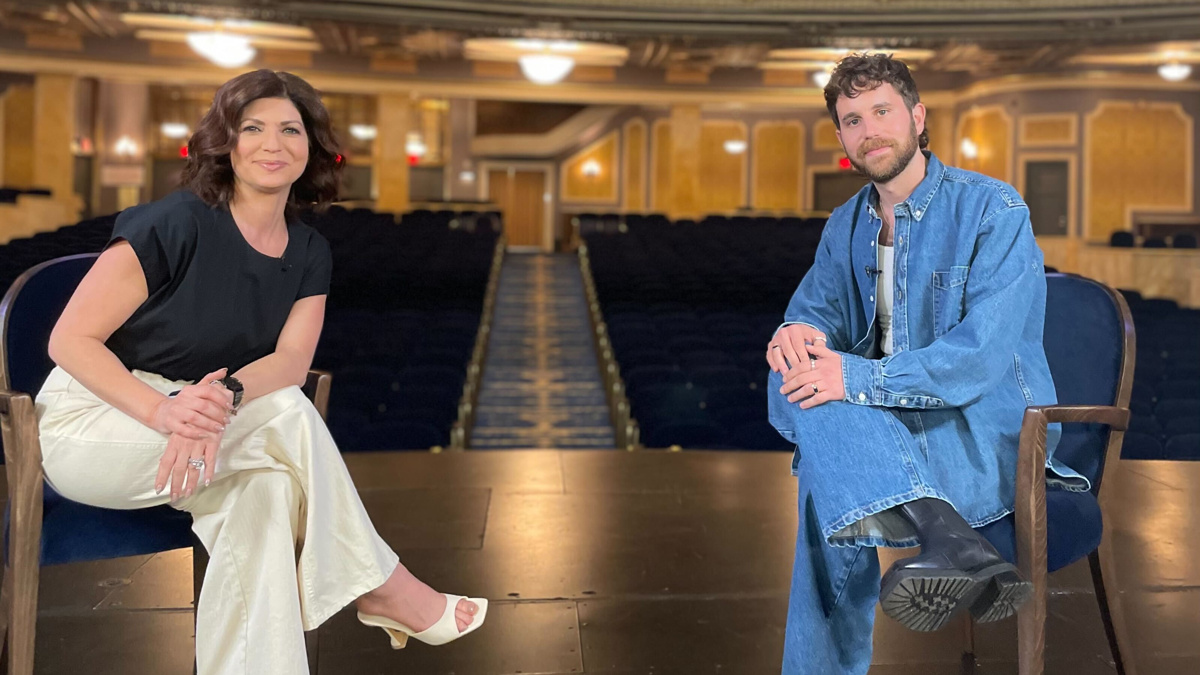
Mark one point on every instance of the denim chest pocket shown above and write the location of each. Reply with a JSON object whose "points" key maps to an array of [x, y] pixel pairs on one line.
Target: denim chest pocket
{"points": [[949, 288]]}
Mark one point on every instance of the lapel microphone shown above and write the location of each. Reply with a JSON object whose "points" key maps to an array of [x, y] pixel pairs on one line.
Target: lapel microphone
{"points": [[872, 271]]}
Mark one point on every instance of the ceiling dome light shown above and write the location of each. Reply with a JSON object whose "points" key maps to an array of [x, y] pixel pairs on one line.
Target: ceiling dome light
{"points": [[223, 49], [821, 78], [1174, 72], [546, 68], [735, 146]]}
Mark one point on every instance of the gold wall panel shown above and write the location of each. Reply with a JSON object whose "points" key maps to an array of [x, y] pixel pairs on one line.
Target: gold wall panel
{"points": [[939, 122], [660, 165], [991, 130], [53, 129], [635, 165], [722, 175], [18, 136], [778, 155], [577, 187], [825, 135], [1137, 157], [1050, 130]]}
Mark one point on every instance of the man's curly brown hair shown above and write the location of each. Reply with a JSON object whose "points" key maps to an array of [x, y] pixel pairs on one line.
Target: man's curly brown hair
{"points": [[208, 171], [857, 73]]}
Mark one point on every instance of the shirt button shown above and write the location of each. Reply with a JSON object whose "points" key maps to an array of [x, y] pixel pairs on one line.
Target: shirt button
{"points": [[903, 401], [872, 243], [899, 294], [872, 298], [917, 213], [862, 396], [899, 240]]}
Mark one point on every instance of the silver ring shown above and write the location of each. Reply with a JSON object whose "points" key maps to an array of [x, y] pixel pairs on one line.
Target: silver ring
{"points": [[821, 338], [814, 387], [197, 463], [776, 347], [812, 364]]}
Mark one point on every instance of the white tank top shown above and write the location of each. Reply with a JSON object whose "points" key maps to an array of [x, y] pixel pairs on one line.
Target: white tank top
{"points": [[883, 291]]}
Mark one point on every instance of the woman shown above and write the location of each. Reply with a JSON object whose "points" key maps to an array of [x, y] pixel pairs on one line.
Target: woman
{"points": [[219, 285]]}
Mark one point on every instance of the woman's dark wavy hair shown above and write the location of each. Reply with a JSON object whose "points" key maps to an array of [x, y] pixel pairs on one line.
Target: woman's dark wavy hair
{"points": [[857, 73], [209, 173]]}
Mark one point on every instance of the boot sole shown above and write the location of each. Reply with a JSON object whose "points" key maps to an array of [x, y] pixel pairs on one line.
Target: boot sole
{"points": [[927, 600], [1004, 594]]}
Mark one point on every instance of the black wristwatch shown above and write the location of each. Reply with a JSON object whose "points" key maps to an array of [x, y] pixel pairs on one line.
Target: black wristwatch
{"points": [[235, 385]]}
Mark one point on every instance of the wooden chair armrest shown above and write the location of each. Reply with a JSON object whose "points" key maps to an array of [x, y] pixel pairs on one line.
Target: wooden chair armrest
{"points": [[23, 469], [316, 388], [1030, 504]]}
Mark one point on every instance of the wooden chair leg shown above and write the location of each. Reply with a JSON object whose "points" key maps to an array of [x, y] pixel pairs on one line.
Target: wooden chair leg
{"points": [[1111, 610], [1031, 629], [5, 607], [22, 629]]}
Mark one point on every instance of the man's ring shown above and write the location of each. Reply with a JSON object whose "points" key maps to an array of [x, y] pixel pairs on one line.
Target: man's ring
{"points": [[814, 387], [776, 347], [197, 463]]}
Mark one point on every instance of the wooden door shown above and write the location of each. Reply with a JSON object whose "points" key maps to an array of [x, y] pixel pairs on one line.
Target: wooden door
{"points": [[521, 196]]}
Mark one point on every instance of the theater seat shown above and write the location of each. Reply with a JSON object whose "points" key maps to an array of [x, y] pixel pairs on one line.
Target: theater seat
{"points": [[1121, 239]]}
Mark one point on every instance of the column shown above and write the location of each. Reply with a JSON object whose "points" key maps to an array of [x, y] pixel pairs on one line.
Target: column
{"points": [[392, 122], [685, 161], [123, 111]]}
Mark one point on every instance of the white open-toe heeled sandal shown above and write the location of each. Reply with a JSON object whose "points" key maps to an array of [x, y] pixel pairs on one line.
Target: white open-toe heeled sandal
{"points": [[442, 631]]}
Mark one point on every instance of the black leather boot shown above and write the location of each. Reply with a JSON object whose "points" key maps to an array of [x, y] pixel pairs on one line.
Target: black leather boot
{"points": [[957, 569]]}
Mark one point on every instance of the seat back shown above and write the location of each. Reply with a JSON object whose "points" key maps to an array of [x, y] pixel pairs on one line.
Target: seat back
{"points": [[28, 314], [1089, 342]]}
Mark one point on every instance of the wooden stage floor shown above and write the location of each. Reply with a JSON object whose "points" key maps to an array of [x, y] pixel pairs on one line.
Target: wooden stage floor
{"points": [[623, 563]]}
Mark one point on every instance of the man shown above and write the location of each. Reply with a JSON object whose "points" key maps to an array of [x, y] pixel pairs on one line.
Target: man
{"points": [[907, 357]]}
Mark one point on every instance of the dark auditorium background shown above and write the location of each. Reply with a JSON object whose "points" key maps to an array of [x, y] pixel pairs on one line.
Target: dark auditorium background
{"points": [[566, 232]]}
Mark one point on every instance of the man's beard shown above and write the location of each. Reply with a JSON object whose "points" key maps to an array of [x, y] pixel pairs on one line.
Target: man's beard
{"points": [[902, 156]]}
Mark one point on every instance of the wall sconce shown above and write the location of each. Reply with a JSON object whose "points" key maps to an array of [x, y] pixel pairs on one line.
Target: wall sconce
{"points": [[174, 129], [590, 168], [125, 147], [466, 177], [363, 132], [735, 146], [968, 149]]}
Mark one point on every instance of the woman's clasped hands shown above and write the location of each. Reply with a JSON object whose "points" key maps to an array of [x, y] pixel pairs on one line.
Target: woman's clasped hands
{"points": [[194, 420]]}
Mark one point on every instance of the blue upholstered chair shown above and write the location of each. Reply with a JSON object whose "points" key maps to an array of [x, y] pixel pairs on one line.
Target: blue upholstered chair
{"points": [[41, 526], [1089, 341]]}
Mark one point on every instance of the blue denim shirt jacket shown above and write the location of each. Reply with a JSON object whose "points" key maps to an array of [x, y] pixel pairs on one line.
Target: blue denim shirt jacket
{"points": [[969, 307]]}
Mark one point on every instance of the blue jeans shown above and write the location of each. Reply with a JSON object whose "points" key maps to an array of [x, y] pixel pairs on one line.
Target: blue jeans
{"points": [[854, 464]]}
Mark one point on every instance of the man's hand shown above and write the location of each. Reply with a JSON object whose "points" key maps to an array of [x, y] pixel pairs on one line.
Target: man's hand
{"points": [[789, 346], [821, 382]]}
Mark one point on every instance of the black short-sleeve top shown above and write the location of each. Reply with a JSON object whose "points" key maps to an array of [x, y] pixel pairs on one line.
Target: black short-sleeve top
{"points": [[214, 301]]}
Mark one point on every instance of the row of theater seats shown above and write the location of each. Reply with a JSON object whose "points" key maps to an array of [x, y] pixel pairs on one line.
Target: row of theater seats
{"points": [[1166, 382], [18, 255], [1126, 239], [403, 311], [8, 195], [689, 308]]}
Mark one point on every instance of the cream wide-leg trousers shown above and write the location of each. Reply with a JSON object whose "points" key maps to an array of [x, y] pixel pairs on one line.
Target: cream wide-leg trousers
{"points": [[280, 487]]}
